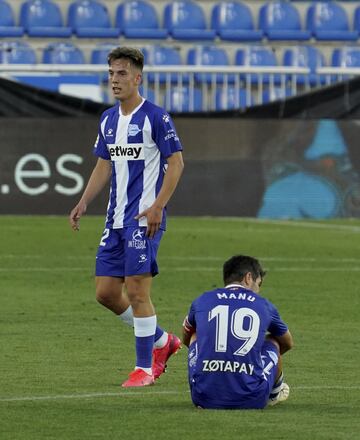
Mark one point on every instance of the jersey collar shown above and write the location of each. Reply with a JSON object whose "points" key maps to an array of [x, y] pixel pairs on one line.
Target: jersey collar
{"points": [[135, 109]]}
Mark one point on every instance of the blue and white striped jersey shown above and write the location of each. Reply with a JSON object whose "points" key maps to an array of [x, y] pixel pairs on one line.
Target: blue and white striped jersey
{"points": [[138, 146]]}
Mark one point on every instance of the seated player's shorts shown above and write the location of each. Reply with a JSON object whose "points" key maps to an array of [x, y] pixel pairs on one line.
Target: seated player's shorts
{"points": [[270, 358], [127, 251]]}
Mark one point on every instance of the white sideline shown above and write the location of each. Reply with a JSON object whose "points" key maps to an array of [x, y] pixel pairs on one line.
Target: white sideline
{"points": [[182, 269], [143, 393], [193, 258]]}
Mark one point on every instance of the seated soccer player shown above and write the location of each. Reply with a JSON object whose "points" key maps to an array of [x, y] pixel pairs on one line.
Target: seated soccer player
{"points": [[236, 340]]}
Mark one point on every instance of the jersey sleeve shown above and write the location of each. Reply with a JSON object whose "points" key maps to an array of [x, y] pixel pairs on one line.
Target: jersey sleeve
{"points": [[277, 326], [100, 147], [189, 324], [164, 134]]}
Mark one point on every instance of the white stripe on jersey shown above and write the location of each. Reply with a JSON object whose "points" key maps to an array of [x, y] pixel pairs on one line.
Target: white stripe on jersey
{"points": [[122, 173], [103, 126], [151, 171]]}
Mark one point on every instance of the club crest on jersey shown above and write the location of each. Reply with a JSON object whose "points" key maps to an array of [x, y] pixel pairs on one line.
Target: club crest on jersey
{"points": [[133, 130], [126, 152]]}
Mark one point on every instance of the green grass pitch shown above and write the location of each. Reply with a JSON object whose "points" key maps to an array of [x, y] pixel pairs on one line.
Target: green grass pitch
{"points": [[63, 357]]}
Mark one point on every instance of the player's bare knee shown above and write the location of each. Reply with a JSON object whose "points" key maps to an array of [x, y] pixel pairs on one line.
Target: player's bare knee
{"points": [[138, 298]]}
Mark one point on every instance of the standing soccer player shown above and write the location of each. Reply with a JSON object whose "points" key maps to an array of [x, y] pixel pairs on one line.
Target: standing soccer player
{"points": [[138, 149], [236, 340]]}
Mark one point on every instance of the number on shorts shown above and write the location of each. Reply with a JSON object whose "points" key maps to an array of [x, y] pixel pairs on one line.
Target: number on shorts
{"points": [[247, 335], [105, 235]]}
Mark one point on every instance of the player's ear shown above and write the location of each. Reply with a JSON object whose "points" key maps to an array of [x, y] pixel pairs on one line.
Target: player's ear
{"points": [[248, 279], [138, 79]]}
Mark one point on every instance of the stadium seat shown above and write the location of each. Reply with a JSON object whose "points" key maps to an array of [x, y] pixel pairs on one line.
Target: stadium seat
{"points": [[233, 21], [185, 20], [7, 22], [163, 56], [280, 20], [356, 16], [305, 56], [229, 98], [257, 56], [42, 18], [209, 56], [329, 21], [138, 19], [90, 19], [272, 94], [183, 99], [16, 52], [346, 57], [148, 94], [100, 53], [63, 53]]}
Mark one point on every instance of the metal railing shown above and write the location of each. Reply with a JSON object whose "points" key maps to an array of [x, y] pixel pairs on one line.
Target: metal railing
{"points": [[204, 88]]}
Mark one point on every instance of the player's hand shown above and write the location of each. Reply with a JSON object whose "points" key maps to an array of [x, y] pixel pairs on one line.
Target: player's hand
{"points": [[154, 218], [75, 215]]}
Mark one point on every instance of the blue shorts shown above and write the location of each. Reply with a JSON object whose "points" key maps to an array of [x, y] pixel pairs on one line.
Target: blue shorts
{"points": [[269, 357], [126, 252]]}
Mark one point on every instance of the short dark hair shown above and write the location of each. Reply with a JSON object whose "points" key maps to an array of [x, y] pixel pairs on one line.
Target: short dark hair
{"points": [[135, 56], [238, 266]]}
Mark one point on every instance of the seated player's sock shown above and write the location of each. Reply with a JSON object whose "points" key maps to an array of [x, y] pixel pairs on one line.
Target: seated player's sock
{"points": [[144, 329], [161, 336], [277, 387]]}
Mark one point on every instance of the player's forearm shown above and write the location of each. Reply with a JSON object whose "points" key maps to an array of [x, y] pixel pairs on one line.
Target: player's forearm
{"points": [[286, 342], [171, 180], [98, 179]]}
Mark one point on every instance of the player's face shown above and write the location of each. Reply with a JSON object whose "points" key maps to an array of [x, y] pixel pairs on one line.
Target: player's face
{"points": [[256, 285], [124, 78]]}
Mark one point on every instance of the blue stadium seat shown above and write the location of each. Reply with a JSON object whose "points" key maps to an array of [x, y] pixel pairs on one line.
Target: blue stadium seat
{"points": [[163, 56], [233, 21], [16, 52], [63, 53], [182, 99], [149, 94], [91, 19], [357, 19], [7, 22], [257, 56], [42, 18], [305, 56], [185, 20], [138, 19], [346, 57], [329, 21], [229, 98], [209, 56], [272, 94], [280, 20]]}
